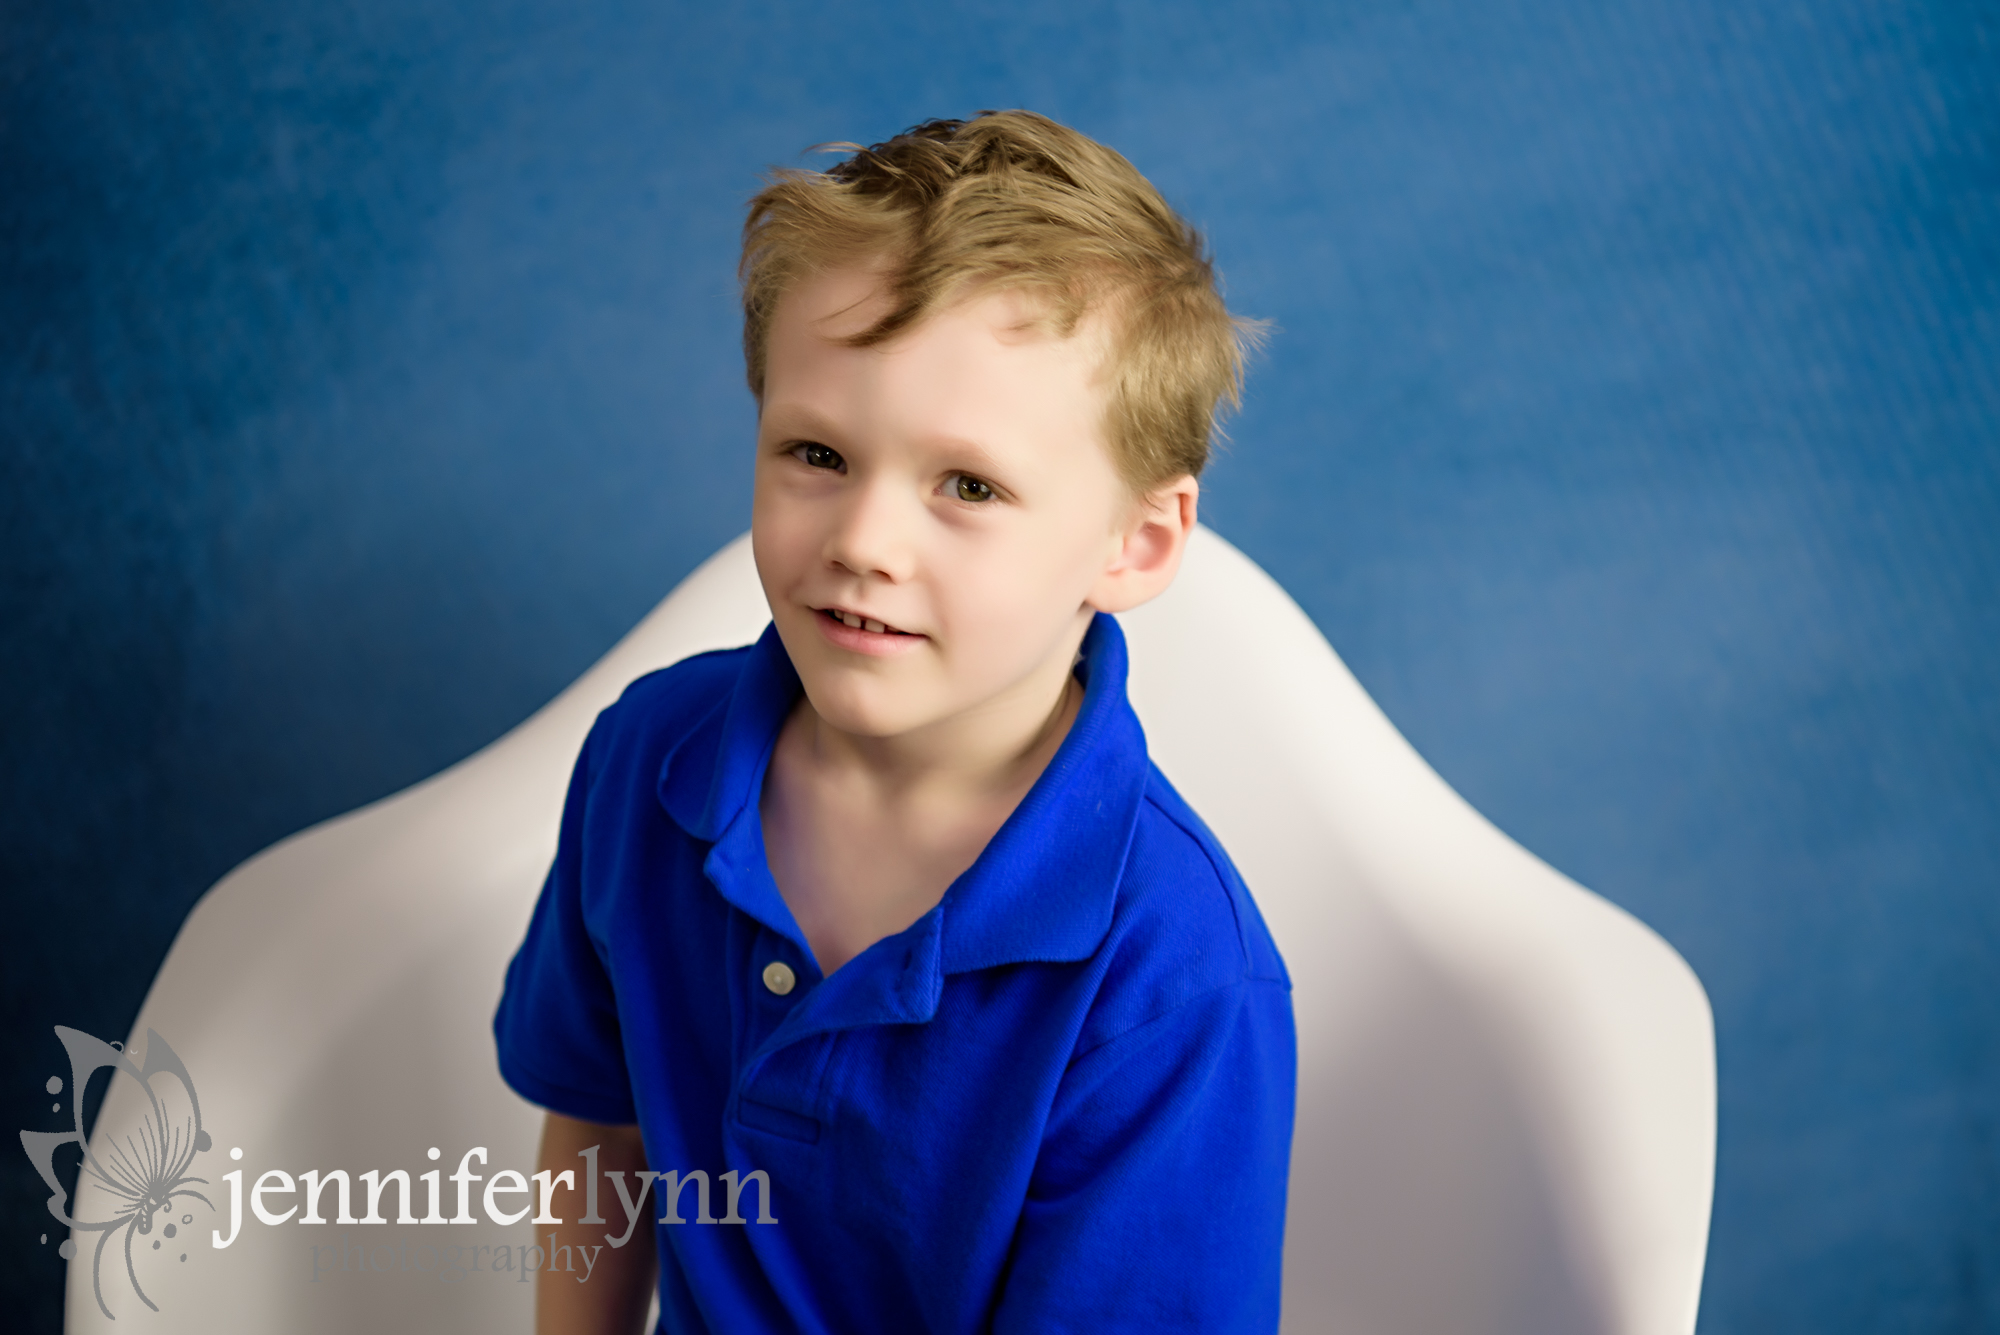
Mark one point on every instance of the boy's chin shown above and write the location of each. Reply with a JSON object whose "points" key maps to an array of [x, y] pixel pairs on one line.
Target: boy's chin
{"points": [[866, 708]]}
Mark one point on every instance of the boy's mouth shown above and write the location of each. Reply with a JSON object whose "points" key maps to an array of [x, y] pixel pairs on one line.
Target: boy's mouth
{"points": [[855, 621]]}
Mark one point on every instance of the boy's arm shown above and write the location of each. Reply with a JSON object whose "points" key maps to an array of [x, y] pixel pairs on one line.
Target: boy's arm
{"points": [[1158, 1198], [615, 1299]]}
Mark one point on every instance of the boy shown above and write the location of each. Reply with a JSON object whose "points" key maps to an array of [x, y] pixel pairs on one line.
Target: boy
{"points": [[887, 916]]}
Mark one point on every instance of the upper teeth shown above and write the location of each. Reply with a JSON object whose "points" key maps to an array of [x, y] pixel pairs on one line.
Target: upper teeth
{"points": [[849, 618]]}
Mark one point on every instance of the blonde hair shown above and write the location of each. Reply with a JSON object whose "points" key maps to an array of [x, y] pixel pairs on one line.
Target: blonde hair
{"points": [[1013, 199]]}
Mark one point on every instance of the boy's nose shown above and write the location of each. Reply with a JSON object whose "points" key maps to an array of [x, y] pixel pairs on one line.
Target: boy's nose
{"points": [[874, 534]]}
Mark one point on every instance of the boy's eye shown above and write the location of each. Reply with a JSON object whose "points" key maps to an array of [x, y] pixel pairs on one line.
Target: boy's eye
{"points": [[821, 456], [972, 489]]}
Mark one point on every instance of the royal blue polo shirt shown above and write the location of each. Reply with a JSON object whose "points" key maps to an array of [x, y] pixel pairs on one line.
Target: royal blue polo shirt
{"points": [[1060, 1100]]}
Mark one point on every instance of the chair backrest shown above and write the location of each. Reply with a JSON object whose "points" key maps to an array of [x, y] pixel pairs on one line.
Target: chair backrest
{"points": [[1506, 1113], [1506, 1085]]}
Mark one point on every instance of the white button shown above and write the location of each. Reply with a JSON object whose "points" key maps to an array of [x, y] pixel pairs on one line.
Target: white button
{"points": [[778, 977]]}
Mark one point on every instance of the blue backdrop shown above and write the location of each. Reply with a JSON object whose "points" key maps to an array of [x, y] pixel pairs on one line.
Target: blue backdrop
{"points": [[1631, 426]]}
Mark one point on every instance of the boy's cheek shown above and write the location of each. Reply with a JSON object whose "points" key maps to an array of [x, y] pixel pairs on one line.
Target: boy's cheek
{"points": [[780, 535]]}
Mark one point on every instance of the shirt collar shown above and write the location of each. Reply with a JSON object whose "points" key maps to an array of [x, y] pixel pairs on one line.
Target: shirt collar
{"points": [[1042, 890]]}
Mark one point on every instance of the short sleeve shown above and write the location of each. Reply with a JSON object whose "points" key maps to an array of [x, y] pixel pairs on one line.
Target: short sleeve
{"points": [[557, 1030], [1158, 1197]]}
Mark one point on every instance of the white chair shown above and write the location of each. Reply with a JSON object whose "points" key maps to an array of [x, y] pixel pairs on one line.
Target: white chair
{"points": [[1506, 1116]]}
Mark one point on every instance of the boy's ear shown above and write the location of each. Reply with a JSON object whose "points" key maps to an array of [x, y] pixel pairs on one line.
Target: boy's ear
{"points": [[1148, 554]]}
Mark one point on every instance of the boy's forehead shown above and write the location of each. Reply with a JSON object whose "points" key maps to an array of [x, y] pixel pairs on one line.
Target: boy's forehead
{"points": [[984, 380], [967, 374], [837, 304]]}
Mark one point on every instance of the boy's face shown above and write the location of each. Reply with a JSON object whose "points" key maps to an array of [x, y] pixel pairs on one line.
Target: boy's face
{"points": [[949, 489]]}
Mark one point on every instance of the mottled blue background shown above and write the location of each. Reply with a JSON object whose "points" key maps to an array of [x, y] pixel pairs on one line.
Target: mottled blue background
{"points": [[1632, 427]]}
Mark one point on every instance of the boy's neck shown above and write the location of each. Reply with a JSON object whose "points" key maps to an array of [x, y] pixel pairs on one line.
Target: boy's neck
{"points": [[865, 834], [990, 748]]}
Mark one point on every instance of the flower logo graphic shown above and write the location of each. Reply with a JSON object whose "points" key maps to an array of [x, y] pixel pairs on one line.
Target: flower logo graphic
{"points": [[148, 1171]]}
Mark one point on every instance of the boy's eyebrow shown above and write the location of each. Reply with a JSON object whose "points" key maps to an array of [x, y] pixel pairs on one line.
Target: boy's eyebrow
{"points": [[976, 457], [799, 419]]}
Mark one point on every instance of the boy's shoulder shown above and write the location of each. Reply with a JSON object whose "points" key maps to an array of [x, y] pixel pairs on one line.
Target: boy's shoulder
{"points": [[1184, 923], [658, 712]]}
